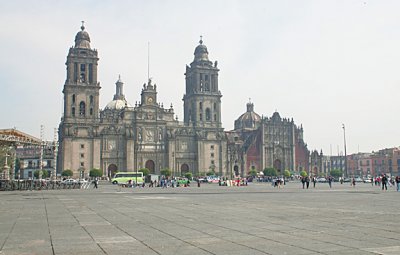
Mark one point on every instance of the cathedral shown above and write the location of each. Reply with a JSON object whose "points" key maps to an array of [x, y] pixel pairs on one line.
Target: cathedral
{"points": [[125, 137]]}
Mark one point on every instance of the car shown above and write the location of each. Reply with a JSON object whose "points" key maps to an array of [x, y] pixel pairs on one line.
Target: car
{"points": [[321, 179], [367, 180], [69, 182]]}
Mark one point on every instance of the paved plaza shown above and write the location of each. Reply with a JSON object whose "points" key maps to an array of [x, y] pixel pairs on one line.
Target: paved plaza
{"points": [[256, 219]]}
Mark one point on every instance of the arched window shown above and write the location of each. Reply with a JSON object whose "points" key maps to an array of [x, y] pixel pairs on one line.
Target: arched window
{"points": [[73, 111], [208, 114], [73, 98], [215, 117], [91, 99], [91, 111], [201, 106], [82, 108]]}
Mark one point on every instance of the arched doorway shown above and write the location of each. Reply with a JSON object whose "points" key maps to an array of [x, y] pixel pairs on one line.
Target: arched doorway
{"points": [[278, 166], [112, 169], [184, 169], [150, 165], [236, 170]]}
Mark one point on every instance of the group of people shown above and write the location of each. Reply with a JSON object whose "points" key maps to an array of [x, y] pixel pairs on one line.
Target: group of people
{"points": [[384, 181], [305, 180]]}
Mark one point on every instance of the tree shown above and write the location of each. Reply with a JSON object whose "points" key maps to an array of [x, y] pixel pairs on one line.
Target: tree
{"points": [[286, 173], [95, 173], [166, 172], [270, 171], [67, 173], [188, 175], [45, 174], [336, 173], [253, 172], [145, 171], [303, 173], [210, 173]]}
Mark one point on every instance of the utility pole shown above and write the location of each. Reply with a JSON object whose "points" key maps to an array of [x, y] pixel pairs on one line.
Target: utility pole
{"points": [[345, 152]]}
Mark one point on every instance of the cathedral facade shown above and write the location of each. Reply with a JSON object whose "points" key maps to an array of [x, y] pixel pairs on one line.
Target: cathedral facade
{"points": [[125, 137]]}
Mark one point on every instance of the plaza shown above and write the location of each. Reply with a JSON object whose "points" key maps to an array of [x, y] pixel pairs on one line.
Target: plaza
{"points": [[254, 219]]}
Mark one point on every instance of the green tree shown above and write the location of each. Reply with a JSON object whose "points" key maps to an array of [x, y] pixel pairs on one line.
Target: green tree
{"points": [[166, 172], [270, 171], [286, 173], [303, 173], [67, 173], [95, 173], [336, 173], [253, 172], [188, 175], [45, 174], [145, 171], [209, 173]]}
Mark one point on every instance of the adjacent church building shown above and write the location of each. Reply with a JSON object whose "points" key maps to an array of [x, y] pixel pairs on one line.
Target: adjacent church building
{"points": [[125, 137]]}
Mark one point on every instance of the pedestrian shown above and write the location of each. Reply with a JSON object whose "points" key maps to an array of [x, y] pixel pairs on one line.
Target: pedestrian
{"points": [[397, 183], [384, 182], [96, 183], [353, 182], [372, 181], [303, 181], [307, 181], [198, 183], [314, 180], [330, 181]]}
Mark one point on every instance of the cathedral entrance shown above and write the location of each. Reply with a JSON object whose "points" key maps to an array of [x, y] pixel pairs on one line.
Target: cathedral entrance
{"points": [[112, 169], [150, 165], [236, 170], [184, 169], [278, 166]]}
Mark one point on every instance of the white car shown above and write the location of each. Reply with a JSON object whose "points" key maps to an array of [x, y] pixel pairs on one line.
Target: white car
{"points": [[69, 182]]}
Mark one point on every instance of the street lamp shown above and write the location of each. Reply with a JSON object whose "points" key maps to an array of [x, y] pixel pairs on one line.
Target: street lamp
{"points": [[345, 152]]}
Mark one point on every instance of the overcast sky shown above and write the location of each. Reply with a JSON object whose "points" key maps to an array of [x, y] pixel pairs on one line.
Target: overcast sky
{"points": [[322, 63]]}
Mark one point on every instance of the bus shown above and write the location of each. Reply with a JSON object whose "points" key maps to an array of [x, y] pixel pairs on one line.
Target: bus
{"points": [[125, 177]]}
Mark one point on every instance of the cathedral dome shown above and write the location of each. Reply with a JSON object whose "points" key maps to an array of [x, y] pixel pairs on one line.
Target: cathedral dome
{"points": [[82, 39], [249, 119], [117, 104]]}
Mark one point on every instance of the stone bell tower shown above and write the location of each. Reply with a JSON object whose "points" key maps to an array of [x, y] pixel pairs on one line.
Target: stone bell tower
{"points": [[81, 89], [202, 101]]}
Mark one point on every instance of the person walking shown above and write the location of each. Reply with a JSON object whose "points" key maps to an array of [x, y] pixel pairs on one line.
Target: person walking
{"points": [[330, 181], [397, 183], [314, 180], [307, 181], [303, 181], [96, 183], [384, 182]]}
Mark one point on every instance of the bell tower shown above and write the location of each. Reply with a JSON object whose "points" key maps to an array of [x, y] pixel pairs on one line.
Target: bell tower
{"points": [[81, 89], [202, 101]]}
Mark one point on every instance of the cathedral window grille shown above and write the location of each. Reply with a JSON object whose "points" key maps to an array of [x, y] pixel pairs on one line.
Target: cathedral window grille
{"points": [[201, 106], [201, 116], [82, 107], [73, 98], [208, 114], [91, 99], [91, 111], [82, 155], [212, 155], [82, 146], [215, 117], [90, 73], [83, 73], [82, 164], [73, 111], [75, 72], [212, 147]]}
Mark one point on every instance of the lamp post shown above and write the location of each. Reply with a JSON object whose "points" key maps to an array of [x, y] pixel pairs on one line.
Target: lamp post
{"points": [[345, 152]]}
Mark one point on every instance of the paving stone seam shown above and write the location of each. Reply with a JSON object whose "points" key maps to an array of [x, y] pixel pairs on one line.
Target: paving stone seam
{"points": [[12, 229], [85, 229], [161, 231], [48, 225]]}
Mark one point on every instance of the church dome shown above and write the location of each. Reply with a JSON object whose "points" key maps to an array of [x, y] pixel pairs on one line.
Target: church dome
{"points": [[249, 119], [117, 104], [82, 39]]}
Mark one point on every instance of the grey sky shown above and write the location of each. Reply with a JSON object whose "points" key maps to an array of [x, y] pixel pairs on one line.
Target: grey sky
{"points": [[322, 63]]}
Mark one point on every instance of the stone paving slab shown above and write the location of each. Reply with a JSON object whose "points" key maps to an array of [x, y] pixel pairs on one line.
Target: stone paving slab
{"points": [[256, 219]]}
